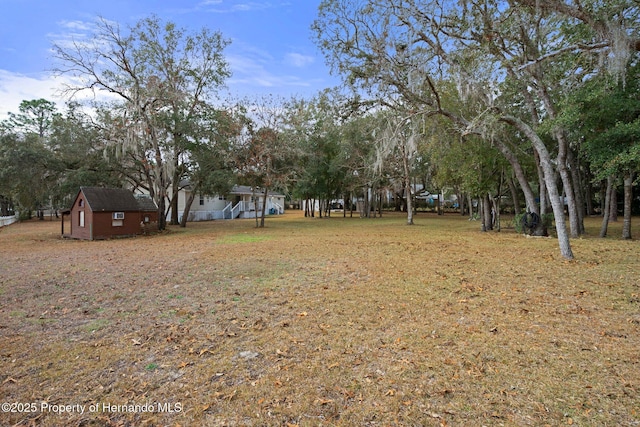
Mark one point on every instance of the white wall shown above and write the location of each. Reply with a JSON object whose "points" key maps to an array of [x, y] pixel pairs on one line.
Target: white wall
{"points": [[6, 220]]}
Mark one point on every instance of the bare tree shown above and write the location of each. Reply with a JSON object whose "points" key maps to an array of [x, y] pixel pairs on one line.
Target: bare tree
{"points": [[158, 76], [399, 137], [264, 158]]}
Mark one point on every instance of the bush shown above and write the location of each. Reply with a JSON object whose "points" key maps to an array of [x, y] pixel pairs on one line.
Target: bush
{"points": [[525, 222]]}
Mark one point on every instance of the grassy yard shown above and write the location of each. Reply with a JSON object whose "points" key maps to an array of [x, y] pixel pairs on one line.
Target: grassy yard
{"points": [[319, 322]]}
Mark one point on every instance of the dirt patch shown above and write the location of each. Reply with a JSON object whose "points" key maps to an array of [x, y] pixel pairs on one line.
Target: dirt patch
{"points": [[318, 322]]}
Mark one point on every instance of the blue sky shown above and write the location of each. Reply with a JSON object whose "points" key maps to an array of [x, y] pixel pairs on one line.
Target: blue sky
{"points": [[271, 50]]}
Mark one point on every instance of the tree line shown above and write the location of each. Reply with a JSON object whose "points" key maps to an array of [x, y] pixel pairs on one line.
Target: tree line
{"points": [[537, 103], [548, 87]]}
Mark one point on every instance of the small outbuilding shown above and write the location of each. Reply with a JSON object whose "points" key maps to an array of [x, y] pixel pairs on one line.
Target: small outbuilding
{"points": [[105, 213]]}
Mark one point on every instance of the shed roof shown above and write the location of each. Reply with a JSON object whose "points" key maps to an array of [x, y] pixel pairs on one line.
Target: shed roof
{"points": [[116, 199], [146, 203]]}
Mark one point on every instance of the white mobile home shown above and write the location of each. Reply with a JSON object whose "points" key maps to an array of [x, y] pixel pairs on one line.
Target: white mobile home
{"points": [[241, 202]]}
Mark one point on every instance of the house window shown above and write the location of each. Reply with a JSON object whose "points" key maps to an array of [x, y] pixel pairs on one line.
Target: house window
{"points": [[220, 197], [201, 200], [117, 223], [81, 219], [81, 203], [118, 215]]}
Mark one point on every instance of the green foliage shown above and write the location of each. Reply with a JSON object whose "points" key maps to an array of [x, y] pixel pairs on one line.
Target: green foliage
{"points": [[605, 114], [24, 171], [43, 166], [313, 128], [34, 117], [469, 164], [323, 174], [210, 166], [151, 367]]}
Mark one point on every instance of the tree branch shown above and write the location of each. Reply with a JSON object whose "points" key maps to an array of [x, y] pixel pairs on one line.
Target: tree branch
{"points": [[573, 48]]}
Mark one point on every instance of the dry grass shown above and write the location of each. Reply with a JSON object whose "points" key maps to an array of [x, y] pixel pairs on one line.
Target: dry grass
{"points": [[321, 322]]}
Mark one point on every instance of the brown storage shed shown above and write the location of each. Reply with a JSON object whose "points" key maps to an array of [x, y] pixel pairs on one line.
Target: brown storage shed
{"points": [[104, 213]]}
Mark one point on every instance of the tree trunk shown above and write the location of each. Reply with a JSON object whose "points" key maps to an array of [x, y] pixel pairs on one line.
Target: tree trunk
{"points": [[461, 204], [264, 207], [162, 219], [628, 198], [366, 207], [175, 188], [173, 207], [4, 206], [345, 200], [567, 185], [497, 214], [558, 213], [541, 229], [255, 207], [487, 217], [491, 211], [374, 201], [561, 166], [550, 180], [160, 178], [613, 204], [607, 207], [175, 181], [529, 195], [542, 192], [351, 206], [407, 191], [515, 199], [406, 169], [187, 207], [578, 191], [588, 193]]}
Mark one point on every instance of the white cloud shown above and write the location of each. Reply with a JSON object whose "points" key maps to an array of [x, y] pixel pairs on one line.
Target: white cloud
{"points": [[77, 33], [225, 7], [15, 88], [254, 68], [76, 25], [249, 72], [298, 60]]}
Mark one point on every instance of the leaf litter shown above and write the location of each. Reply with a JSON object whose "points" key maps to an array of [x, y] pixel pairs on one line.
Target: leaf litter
{"points": [[332, 322]]}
